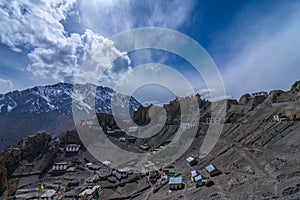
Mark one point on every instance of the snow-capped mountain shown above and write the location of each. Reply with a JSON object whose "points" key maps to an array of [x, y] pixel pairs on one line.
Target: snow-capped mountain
{"points": [[43, 99], [49, 109]]}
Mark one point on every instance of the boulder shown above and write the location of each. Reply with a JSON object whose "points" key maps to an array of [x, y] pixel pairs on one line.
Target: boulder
{"points": [[244, 99]]}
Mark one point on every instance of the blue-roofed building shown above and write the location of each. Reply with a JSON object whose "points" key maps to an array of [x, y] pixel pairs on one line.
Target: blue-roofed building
{"points": [[194, 173], [198, 178], [212, 170], [191, 160], [175, 183]]}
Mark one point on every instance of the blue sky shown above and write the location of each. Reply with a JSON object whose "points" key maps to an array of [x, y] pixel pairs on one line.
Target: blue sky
{"points": [[255, 44]]}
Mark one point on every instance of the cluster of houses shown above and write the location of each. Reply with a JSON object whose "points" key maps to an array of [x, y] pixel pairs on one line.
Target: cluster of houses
{"points": [[200, 180], [89, 192], [59, 168], [176, 183]]}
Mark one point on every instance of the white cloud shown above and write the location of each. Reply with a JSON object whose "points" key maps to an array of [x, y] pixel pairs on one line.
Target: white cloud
{"points": [[33, 23], [37, 27], [114, 16], [64, 59], [5, 84], [105, 61], [269, 51]]}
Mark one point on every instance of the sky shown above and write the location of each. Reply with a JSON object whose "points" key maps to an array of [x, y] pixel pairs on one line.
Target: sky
{"points": [[254, 44]]}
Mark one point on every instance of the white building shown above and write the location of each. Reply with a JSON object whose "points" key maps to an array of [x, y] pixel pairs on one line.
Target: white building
{"points": [[276, 118], [72, 148], [214, 120], [194, 174], [175, 183], [262, 93], [122, 139], [61, 166], [132, 129], [186, 126], [120, 174], [88, 192], [144, 147], [191, 160]]}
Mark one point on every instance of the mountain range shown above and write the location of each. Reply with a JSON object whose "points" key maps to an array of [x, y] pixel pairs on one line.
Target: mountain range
{"points": [[49, 108]]}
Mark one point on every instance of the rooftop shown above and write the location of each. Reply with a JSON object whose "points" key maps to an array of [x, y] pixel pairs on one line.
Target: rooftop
{"points": [[48, 193], [89, 191], [194, 173], [197, 178], [210, 168], [61, 163], [177, 180], [190, 159]]}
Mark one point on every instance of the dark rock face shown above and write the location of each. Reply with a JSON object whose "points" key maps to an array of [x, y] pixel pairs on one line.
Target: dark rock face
{"points": [[3, 178], [296, 87], [26, 149], [244, 99], [296, 90], [141, 116]]}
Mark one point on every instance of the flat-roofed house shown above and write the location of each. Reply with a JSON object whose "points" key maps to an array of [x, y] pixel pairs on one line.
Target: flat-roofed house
{"points": [[144, 147], [88, 192], [262, 93], [59, 168], [72, 149], [130, 139], [212, 170], [194, 174], [120, 174], [132, 129], [191, 160], [175, 183]]}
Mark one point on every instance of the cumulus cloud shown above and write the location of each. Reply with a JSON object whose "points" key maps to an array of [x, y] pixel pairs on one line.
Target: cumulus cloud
{"points": [[105, 62], [269, 51], [33, 23], [38, 28], [63, 60]]}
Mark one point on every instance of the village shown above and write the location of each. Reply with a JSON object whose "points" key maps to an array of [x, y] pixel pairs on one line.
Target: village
{"points": [[73, 173], [76, 175]]}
